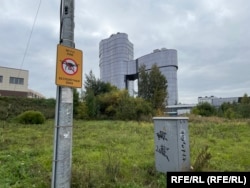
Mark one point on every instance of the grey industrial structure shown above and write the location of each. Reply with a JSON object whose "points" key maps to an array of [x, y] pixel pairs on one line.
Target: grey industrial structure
{"points": [[118, 66], [218, 101]]}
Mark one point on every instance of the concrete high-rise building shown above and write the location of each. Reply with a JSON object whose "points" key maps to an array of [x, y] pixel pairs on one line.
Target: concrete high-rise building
{"points": [[118, 67], [166, 61], [115, 54]]}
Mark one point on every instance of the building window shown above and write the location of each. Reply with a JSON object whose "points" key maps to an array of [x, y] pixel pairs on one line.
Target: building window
{"points": [[15, 80], [1, 79]]}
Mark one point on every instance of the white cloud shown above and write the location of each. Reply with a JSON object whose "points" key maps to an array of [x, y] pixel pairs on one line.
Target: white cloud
{"points": [[211, 37]]}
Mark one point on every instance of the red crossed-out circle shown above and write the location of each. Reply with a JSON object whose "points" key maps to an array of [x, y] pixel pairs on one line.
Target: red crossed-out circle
{"points": [[69, 66]]}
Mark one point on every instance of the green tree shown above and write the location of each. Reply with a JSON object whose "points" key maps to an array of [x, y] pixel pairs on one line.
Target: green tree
{"points": [[204, 109], [157, 88], [143, 109], [152, 87], [90, 82], [118, 104], [96, 85], [93, 88], [82, 111], [243, 110], [75, 101], [108, 103], [130, 108], [103, 101], [143, 83], [229, 113], [245, 99]]}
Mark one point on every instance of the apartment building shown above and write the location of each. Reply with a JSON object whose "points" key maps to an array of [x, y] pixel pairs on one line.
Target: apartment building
{"points": [[14, 82]]}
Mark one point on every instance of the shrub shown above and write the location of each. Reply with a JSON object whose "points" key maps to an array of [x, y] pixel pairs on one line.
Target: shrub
{"points": [[31, 117], [204, 109], [11, 107], [229, 113], [82, 111]]}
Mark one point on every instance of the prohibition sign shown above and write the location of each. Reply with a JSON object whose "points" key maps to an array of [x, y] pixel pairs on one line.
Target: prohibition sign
{"points": [[69, 66]]}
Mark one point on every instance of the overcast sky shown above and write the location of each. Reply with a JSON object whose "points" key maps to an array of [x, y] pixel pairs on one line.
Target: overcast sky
{"points": [[212, 38]]}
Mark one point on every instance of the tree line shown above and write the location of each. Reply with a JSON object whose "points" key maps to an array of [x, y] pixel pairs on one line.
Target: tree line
{"points": [[228, 110]]}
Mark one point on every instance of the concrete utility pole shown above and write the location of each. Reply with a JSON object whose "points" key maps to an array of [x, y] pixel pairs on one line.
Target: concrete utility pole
{"points": [[61, 174]]}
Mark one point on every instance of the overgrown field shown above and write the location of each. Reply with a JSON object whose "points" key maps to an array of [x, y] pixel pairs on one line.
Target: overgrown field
{"points": [[116, 153]]}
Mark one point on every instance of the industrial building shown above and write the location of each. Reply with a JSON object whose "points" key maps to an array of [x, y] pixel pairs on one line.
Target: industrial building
{"points": [[14, 82], [218, 101], [118, 66]]}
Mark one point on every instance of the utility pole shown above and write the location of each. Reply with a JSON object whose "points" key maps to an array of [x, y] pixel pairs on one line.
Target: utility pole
{"points": [[62, 159]]}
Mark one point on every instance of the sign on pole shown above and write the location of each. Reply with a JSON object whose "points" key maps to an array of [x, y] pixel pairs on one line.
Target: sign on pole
{"points": [[69, 67]]}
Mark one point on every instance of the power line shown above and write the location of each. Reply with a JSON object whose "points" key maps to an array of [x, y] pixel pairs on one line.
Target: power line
{"points": [[28, 42], [31, 32]]}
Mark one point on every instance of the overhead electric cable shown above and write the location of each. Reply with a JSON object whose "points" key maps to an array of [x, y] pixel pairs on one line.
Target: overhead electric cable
{"points": [[27, 45]]}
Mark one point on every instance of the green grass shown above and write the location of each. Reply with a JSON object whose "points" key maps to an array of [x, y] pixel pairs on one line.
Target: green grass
{"points": [[115, 153], [228, 143]]}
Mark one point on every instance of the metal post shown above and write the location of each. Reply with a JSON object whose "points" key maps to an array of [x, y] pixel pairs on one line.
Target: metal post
{"points": [[62, 159]]}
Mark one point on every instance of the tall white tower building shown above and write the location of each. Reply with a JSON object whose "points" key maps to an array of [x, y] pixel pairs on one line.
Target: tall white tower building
{"points": [[118, 67], [115, 54]]}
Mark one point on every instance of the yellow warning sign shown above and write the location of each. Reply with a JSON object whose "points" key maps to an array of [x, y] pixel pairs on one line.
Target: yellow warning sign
{"points": [[68, 67]]}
